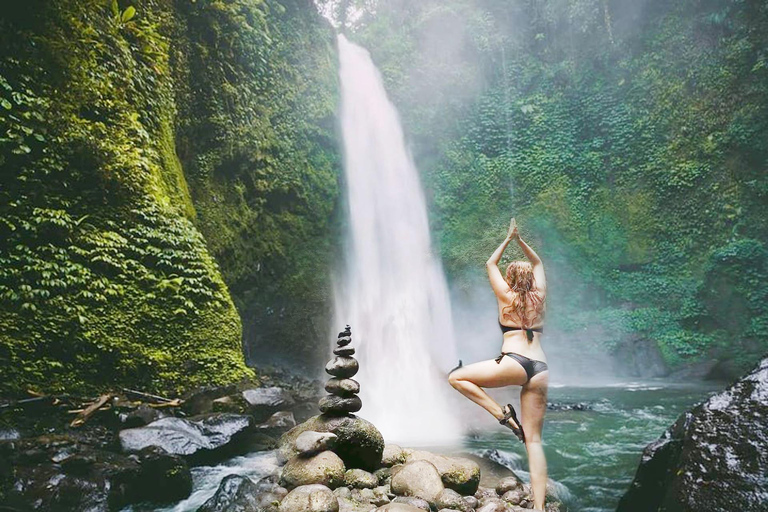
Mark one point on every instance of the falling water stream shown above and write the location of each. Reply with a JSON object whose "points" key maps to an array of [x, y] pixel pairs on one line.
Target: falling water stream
{"points": [[393, 293]]}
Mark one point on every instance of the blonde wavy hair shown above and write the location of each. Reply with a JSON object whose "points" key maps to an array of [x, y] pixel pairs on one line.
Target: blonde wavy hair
{"points": [[519, 277]]}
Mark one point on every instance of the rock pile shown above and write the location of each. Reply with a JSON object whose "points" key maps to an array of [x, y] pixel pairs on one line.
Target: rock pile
{"points": [[342, 398]]}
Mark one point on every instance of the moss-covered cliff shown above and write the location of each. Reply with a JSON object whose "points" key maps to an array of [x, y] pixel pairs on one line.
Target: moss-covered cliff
{"points": [[139, 143]]}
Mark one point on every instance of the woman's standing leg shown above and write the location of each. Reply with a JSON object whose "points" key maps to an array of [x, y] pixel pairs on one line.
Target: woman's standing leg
{"points": [[533, 404]]}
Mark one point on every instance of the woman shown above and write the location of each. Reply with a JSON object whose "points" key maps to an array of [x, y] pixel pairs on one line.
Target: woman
{"points": [[522, 361]]}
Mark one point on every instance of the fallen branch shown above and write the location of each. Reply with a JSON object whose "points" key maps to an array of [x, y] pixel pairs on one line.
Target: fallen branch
{"points": [[176, 402], [146, 396], [88, 411]]}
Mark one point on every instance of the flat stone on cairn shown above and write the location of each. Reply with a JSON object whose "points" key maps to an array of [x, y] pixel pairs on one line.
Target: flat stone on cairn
{"points": [[343, 391]]}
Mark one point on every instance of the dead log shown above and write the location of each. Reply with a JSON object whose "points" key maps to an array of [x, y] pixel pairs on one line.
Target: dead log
{"points": [[86, 413]]}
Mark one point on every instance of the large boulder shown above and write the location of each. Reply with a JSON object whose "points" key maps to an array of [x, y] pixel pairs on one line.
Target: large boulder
{"points": [[310, 498], [199, 438], [460, 474], [325, 468], [714, 457], [237, 493], [418, 478], [358, 442]]}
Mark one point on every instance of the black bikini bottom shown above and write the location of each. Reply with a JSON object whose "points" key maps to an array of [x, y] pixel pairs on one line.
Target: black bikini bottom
{"points": [[531, 366]]}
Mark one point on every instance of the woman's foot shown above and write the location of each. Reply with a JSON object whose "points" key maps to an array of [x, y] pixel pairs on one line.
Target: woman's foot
{"points": [[514, 425]]}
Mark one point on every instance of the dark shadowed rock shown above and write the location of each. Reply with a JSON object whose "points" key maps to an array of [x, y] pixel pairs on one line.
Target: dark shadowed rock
{"points": [[342, 367], [358, 443], [342, 387], [344, 351], [200, 400], [164, 477], [343, 341], [310, 498], [264, 402], [239, 494], [200, 437], [714, 457], [142, 415], [332, 404]]}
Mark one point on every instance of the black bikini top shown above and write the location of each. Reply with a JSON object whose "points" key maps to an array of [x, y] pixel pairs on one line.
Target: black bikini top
{"points": [[528, 332]]}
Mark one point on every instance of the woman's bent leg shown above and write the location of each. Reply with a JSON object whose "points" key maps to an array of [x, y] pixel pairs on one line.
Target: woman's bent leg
{"points": [[533, 403], [469, 381]]}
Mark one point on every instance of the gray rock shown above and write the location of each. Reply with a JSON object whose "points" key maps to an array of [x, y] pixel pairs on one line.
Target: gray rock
{"points": [[509, 483], [460, 474], [384, 475], [264, 402], [342, 387], [233, 403], [515, 496], [485, 492], [142, 415], [310, 498], [448, 498], [193, 437], [381, 495], [358, 442], [311, 442], [471, 501], [412, 501], [392, 455], [363, 495], [493, 505], [360, 479], [281, 421], [325, 468], [238, 493], [343, 341], [352, 505], [342, 367], [418, 478], [714, 457], [344, 351], [342, 492], [332, 404]]}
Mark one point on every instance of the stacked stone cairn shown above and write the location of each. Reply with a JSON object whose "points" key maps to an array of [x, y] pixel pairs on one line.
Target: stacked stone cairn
{"points": [[342, 398]]}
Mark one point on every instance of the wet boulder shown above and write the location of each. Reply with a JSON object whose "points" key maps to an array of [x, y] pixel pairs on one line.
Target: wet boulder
{"points": [[310, 498], [199, 438], [360, 479], [448, 498], [714, 457], [418, 478], [325, 468], [278, 423], [457, 473], [358, 442], [239, 493]]}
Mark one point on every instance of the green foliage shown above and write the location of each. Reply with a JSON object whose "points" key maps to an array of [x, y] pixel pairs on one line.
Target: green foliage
{"points": [[104, 280], [629, 143]]}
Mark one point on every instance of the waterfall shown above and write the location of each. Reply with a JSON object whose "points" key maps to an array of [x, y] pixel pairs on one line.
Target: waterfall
{"points": [[393, 293]]}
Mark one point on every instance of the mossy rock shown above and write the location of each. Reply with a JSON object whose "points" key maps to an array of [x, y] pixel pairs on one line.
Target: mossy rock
{"points": [[359, 443], [325, 468]]}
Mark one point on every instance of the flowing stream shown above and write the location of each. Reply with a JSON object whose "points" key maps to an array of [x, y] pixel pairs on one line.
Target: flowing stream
{"points": [[393, 293]]}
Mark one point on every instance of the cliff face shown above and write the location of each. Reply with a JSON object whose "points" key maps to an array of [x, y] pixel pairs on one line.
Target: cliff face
{"points": [[140, 144], [714, 457]]}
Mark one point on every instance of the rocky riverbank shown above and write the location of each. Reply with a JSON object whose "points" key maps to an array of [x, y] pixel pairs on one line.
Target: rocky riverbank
{"points": [[118, 450]]}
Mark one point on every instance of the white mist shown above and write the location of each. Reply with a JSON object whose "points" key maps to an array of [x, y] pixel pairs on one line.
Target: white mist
{"points": [[394, 293]]}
